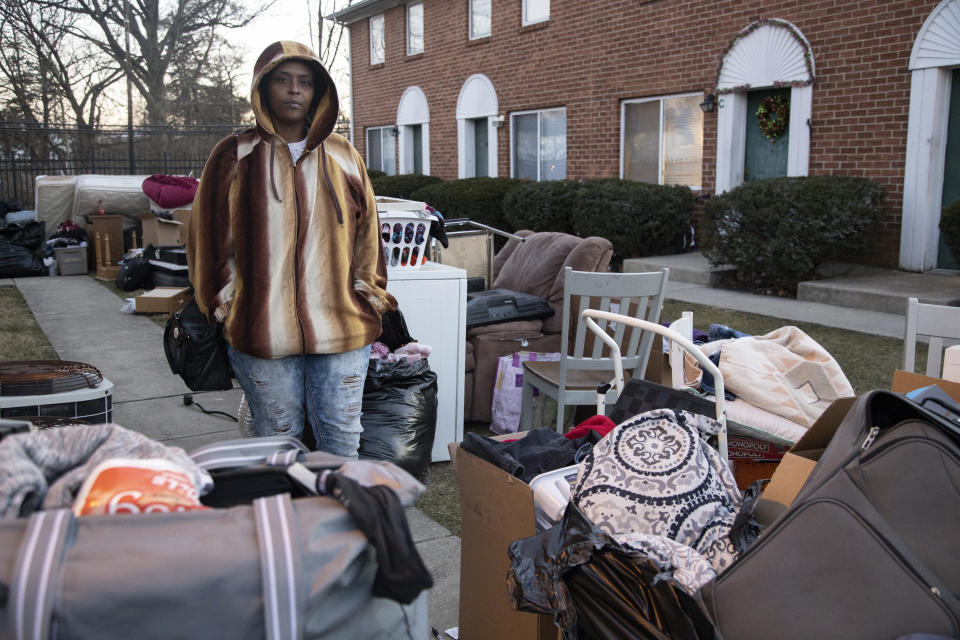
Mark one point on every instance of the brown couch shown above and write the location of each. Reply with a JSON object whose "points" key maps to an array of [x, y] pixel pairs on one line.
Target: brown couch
{"points": [[534, 266]]}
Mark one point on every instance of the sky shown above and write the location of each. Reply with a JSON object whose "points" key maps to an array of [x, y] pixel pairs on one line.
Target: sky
{"points": [[285, 20]]}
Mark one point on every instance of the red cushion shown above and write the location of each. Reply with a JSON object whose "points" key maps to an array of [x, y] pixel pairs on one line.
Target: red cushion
{"points": [[170, 191]]}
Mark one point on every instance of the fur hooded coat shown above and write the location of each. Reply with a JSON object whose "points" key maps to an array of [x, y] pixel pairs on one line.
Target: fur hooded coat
{"points": [[286, 252]]}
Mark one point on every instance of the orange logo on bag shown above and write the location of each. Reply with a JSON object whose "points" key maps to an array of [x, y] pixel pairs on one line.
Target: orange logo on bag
{"points": [[136, 486]]}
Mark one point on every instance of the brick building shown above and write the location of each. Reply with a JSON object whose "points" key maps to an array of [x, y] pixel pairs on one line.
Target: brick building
{"points": [[668, 91]]}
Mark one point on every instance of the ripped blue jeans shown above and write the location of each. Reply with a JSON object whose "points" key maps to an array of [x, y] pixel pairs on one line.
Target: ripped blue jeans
{"points": [[324, 389]]}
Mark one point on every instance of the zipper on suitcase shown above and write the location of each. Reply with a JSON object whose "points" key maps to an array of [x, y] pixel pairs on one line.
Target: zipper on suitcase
{"points": [[870, 437]]}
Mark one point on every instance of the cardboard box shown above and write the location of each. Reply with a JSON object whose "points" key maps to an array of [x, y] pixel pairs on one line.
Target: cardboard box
{"points": [[905, 382], [71, 261], [161, 232], [162, 300], [497, 508], [797, 464]]}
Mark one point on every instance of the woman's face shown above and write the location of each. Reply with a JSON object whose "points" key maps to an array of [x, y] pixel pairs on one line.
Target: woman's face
{"points": [[290, 93]]}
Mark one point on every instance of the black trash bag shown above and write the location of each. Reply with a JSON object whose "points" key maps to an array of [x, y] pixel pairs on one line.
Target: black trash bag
{"points": [[596, 587], [400, 414], [30, 235], [8, 205], [135, 273], [19, 262]]}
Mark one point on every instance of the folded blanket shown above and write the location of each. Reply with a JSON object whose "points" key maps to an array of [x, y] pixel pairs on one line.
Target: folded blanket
{"points": [[785, 372]]}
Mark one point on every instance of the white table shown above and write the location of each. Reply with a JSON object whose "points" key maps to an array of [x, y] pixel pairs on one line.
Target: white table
{"points": [[433, 300]]}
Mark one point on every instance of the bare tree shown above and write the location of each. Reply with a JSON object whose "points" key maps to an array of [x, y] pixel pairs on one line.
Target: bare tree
{"points": [[162, 34], [49, 76], [326, 35]]}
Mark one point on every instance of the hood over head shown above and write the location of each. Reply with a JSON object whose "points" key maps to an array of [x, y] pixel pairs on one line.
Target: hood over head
{"points": [[326, 107]]}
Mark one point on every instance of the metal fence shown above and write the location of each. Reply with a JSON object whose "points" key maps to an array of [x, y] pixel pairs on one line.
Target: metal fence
{"points": [[18, 175], [28, 150]]}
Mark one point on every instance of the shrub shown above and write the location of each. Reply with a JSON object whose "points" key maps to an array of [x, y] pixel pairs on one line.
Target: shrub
{"points": [[373, 174], [401, 186], [640, 219], [950, 228], [777, 232], [480, 199], [542, 206]]}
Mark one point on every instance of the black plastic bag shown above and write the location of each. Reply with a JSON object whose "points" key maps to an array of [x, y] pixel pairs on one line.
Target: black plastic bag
{"points": [[596, 587], [19, 262], [135, 273], [196, 350], [400, 414], [30, 235]]}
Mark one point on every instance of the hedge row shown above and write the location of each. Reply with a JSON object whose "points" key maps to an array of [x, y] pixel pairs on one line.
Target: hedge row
{"points": [[777, 232], [640, 219]]}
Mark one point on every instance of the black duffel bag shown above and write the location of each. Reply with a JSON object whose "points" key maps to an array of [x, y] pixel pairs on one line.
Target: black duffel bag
{"points": [[135, 273], [196, 350]]}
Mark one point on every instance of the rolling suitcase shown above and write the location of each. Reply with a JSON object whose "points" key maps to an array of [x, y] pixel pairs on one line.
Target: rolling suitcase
{"points": [[868, 549]]}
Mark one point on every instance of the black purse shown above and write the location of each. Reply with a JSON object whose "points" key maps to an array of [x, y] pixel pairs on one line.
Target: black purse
{"points": [[196, 350]]}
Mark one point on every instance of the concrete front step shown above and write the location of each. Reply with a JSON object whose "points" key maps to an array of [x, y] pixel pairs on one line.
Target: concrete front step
{"points": [[692, 268], [884, 290]]}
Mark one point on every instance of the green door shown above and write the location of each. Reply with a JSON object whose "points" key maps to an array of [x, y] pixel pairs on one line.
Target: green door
{"points": [[764, 158], [417, 131], [480, 148], [951, 169]]}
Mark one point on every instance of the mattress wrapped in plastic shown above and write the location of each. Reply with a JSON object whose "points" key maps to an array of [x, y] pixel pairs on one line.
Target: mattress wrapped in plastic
{"points": [[120, 195], [53, 200]]}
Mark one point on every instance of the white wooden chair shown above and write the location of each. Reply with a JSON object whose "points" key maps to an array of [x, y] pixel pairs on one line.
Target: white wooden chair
{"points": [[939, 323], [584, 363]]}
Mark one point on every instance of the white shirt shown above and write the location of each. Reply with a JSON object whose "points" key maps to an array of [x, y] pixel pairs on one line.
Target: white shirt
{"points": [[296, 148]]}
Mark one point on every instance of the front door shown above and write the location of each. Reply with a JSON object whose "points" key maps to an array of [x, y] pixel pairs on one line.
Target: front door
{"points": [[480, 148], [951, 169], [764, 158]]}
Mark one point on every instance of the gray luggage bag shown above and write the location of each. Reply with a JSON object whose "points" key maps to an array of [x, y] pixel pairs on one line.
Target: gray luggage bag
{"points": [[278, 568], [870, 548]]}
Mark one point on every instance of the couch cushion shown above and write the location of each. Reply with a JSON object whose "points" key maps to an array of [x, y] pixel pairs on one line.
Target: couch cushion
{"points": [[591, 254], [533, 265], [506, 251]]}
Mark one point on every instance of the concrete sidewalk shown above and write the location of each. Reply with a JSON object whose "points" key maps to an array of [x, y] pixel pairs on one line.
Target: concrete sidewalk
{"points": [[83, 322]]}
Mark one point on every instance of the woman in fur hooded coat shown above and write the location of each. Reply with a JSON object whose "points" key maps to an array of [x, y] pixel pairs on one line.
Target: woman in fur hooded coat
{"points": [[284, 248]]}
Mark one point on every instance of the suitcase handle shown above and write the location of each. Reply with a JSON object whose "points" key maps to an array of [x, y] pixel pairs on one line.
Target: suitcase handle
{"points": [[241, 452]]}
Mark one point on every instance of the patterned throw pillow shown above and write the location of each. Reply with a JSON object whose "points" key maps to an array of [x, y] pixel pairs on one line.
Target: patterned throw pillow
{"points": [[655, 475]]}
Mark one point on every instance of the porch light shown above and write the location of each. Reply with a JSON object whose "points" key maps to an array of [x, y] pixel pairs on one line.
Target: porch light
{"points": [[709, 103]]}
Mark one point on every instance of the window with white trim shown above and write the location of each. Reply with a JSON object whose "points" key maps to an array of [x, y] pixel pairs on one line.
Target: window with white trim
{"points": [[378, 45], [538, 144], [535, 11], [414, 28], [480, 16], [382, 149], [662, 140]]}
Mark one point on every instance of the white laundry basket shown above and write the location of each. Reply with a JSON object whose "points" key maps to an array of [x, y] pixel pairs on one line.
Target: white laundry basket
{"points": [[404, 231]]}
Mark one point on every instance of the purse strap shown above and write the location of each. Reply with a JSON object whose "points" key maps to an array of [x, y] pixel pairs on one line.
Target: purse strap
{"points": [[242, 452], [36, 574]]}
